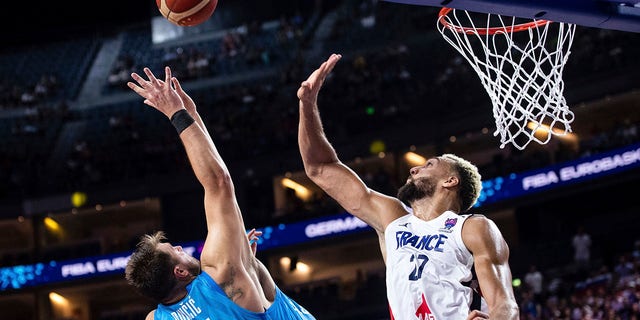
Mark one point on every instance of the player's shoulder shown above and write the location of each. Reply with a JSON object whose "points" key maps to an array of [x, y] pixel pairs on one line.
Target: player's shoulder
{"points": [[476, 222], [150, 315], [476, 217]]}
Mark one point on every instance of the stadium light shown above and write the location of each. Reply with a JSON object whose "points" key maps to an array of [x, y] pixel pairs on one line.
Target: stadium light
{"points": [[301, 191]]}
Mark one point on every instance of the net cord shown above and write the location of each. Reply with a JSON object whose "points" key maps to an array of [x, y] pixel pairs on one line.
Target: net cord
{"points": [[523, 79]]}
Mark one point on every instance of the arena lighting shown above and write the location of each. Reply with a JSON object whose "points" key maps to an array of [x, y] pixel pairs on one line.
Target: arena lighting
{"points": [[294, 265], [543, 130], [414, 159], [51, 224], [301, 191], [58, 299], [285, 263], [78, 199], [303, 268]]}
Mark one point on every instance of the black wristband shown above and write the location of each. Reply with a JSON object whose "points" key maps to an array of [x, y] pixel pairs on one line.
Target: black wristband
{"points": [[181, 120]]}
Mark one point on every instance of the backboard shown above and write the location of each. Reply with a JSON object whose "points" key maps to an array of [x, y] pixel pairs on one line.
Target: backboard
{"points": [[606, 14]]}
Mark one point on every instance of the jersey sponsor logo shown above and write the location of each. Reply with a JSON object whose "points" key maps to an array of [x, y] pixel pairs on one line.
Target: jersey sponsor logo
{"points": [[448, 224], [427, 242]]}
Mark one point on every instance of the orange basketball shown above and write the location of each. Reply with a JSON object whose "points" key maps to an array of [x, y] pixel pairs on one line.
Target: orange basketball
{"points": [[186, 13]]}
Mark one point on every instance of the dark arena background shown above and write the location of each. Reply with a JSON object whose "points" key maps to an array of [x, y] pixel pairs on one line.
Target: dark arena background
{"points": [[86, 168]]}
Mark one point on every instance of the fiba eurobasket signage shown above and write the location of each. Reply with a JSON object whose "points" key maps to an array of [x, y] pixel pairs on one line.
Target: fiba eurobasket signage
{"points": [[22, 276], [294, 233], [566, 173], [494, 190]]}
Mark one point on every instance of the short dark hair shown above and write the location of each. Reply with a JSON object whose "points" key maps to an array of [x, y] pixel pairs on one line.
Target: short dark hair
{"points": [[150, 270], [470, 181]]}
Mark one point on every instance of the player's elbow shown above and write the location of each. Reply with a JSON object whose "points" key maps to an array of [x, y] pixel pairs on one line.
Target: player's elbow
{"points": [[513, 310], [319, 175], [218, 182], [506, 309], [313, 171]]}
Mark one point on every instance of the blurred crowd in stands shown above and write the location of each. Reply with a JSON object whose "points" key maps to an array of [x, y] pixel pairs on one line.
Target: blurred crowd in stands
{"points": [[606, 292]]}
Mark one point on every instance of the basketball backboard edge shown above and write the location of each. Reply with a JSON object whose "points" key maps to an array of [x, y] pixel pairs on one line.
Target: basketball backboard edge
{"points": [[606, 14]]}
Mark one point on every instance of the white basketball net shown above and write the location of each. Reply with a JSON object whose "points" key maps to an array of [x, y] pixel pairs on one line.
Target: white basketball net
{"points": [[521, 71]]}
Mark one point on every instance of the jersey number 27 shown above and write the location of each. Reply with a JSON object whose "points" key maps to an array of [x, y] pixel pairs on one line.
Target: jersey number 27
{"points": [[420, 260]]}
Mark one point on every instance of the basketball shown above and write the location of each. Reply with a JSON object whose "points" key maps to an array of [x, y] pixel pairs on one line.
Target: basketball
{"points": [[186, 13]]}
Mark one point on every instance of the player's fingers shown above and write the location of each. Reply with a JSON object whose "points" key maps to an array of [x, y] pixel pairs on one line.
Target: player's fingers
{"points": [[177, 85], [477, 315], [328, 65], [133, 86], [137, 89], [147, 102], [332, 62], [138, 79], [167, 74], [141, 81], [312, 78], [152, 78]]}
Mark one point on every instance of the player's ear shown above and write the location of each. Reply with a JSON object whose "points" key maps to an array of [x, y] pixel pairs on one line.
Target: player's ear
{"points": [[451, 181], [180, 273]]}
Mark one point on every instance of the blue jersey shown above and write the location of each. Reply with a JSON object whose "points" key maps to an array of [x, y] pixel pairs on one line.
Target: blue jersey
{"points": [[205, 300]]}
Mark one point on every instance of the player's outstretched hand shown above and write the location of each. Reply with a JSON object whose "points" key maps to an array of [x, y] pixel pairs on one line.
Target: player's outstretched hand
{"points": [[308, 91], [157, 93], [253, 235]]}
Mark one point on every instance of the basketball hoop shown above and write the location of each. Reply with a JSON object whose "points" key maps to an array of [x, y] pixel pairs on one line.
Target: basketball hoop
{"points": [[521, 71]]}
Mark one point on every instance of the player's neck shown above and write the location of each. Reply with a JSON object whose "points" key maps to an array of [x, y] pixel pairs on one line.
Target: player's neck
{"points": [[175, 296], [431, 208]]}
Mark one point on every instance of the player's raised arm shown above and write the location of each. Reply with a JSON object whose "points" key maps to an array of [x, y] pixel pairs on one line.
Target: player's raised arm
{"points": [[323, 167], [222, 212], [190, 106]]}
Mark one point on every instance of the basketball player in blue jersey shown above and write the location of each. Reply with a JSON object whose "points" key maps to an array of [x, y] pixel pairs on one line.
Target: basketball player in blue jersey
{"points": [[430, 248], [228, 282]]}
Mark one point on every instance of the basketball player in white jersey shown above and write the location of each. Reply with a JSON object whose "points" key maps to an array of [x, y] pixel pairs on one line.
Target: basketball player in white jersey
{"points": [[430, 248]]}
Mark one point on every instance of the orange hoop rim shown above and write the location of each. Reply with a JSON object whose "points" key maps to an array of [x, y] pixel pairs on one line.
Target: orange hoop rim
{"points": [[487, 31]]}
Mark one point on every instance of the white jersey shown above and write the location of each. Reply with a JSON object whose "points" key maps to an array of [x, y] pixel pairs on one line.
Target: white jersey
{"points": [[427, 263]]}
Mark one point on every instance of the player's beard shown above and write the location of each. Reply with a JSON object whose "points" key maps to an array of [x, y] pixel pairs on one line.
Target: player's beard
{"points": [[416, 189], [194, 266], [196, 269]]}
